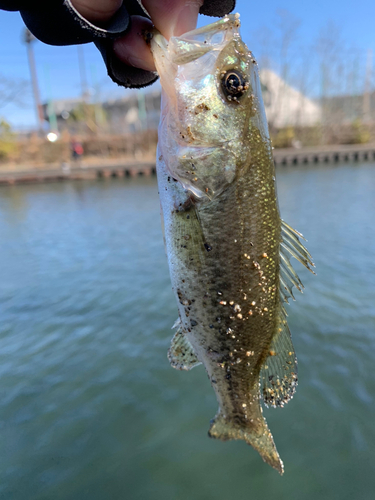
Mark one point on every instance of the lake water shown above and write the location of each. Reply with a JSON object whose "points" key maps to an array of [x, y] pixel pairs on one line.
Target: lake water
{"points": [[89, 406]]}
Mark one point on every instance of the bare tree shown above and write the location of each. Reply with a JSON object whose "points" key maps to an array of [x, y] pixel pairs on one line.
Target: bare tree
{"points": [[13, 91], [276, 49]]}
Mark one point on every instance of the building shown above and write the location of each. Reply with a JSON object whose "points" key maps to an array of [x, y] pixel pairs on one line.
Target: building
{"points": [[286, 106], [138, 110]]}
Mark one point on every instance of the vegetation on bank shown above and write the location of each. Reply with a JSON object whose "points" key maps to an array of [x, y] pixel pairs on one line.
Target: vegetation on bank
{"points": [[356, 132], [36, 150]]}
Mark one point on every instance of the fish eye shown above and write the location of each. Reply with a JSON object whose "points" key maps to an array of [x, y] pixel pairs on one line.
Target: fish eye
{"points": [[233, 84]]}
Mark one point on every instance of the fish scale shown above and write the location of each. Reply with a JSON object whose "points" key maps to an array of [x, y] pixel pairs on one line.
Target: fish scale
{"points": [[223, 231]]}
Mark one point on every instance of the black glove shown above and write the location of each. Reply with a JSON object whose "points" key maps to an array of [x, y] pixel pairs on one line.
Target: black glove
{"points": [[57, 22]]}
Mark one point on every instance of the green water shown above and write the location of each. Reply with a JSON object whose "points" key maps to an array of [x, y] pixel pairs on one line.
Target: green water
{"points": [[89, 407]]}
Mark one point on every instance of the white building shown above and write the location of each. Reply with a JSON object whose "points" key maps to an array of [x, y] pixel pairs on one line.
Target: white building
{"points": [[285, 106]]}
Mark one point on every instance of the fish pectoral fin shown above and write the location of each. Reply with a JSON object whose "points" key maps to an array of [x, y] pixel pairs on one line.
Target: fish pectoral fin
{"points": [[256, 434], [279, 375], [177, 323], [181, 354]]}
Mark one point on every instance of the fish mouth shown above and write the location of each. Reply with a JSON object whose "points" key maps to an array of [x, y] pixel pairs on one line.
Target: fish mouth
{"points": [[228, 21], [178, 51], [195, 43]]}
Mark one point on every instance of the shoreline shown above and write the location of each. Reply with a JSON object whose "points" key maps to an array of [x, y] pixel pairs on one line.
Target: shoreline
{"points": [[89, 169]]}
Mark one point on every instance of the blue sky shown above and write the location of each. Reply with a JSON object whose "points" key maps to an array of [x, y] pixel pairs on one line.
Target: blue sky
{"points": [[350, 27]]}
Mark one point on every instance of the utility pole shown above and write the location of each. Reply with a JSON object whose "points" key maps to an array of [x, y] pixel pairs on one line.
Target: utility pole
{"points": [[84, 90], [29, 39], [367, 90], [82, 72], [50, 107], [323, 93]]}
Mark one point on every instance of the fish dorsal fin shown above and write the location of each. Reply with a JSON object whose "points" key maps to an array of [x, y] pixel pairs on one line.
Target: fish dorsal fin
{"points": [[181, 354], [279, 376], [291, 246]]}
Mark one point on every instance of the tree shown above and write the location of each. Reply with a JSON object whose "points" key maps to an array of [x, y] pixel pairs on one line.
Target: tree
{"points": [[7, 144], [13, 90]]}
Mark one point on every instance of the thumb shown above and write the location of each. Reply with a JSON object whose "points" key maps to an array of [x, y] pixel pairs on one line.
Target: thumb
{"points": [[97, 11], [173, 17]]}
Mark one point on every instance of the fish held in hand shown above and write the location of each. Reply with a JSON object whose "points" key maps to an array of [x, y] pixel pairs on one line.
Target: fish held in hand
{"points": [[228, 249]]}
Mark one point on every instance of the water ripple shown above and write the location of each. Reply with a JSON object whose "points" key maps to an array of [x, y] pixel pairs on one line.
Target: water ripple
{"points": [[90, 408]]}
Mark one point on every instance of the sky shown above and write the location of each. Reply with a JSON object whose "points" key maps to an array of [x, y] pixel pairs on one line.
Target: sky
{"points": [[345, 29]]}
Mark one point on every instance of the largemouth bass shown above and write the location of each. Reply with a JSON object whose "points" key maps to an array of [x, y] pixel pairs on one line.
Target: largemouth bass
{"points": [[228, 249]]}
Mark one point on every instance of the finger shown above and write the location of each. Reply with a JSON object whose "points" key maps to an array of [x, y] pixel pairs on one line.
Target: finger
{"points": [[173, 17], [132, 48], [97, 11]]}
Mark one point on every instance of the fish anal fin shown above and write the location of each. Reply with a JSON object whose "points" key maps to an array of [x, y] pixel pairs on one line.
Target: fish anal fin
{"points": [[279, 374], [181, 354], [256, 434]]}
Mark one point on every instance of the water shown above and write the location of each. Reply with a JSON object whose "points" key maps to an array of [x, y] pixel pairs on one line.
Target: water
{"points": [[89, 407]]}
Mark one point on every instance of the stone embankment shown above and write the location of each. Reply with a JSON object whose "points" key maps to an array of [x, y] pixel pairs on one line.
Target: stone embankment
{"points": [[127, 168]]}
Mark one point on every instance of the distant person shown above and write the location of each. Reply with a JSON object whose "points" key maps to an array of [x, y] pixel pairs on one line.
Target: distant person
{"points": [[76, 150], [116, 27]]}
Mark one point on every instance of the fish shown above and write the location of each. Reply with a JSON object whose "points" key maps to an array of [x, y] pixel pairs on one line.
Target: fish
{"points": [[228, 249]]}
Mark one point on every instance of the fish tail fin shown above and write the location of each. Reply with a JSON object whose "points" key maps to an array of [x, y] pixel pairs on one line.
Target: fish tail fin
{"points": [[256, 434]]}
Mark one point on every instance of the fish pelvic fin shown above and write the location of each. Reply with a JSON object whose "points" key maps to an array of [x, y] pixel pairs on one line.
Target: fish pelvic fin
{"points": [[256, 434], [181, 354]]}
